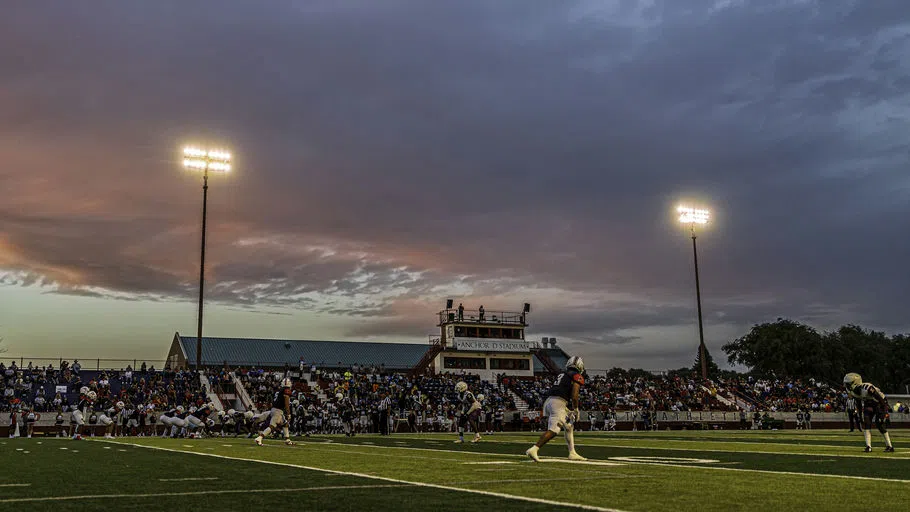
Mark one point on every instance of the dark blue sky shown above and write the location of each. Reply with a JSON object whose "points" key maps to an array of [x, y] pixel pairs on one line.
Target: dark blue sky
{"points": [[390, 154]]}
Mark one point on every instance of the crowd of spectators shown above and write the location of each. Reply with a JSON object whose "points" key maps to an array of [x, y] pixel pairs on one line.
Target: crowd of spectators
{"points": [[787, 395], [49, 389], [425, 399], [423, 402]]}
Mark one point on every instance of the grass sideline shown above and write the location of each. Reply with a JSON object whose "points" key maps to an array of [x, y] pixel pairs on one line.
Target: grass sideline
{"points": [[641, 471]]}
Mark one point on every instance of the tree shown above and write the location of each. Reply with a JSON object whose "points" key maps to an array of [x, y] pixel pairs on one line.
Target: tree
{"points": [[792, 350], [781, 348]]}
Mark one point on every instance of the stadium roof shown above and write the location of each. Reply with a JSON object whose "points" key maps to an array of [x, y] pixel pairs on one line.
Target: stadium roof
{"points": [[276, 352]]}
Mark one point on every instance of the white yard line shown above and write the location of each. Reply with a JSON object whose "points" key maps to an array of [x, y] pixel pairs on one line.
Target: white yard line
{"points": [[191, 479], [708, 467], [901, 454], [386, 479], [194, 493]]}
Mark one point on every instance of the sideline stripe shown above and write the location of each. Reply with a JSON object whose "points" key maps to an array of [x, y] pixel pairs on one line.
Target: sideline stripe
{"points": [[194, 493], [15, 485], [900, 455], [714, 467], [190, 479], [387, 479]]}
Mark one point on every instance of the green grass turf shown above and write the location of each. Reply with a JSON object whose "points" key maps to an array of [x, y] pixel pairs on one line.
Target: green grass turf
{"points": [[779, 470]]}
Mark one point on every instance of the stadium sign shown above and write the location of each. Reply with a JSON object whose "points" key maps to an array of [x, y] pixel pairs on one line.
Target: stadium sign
{"points": [[488, 345]]}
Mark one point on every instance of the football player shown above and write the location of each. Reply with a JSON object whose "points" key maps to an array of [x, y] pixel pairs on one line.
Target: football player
{"points": [[108, 417], [468, 411], [875, 408], [346, 408], [81, 411], [197, 420], [178, 421], [561, 408], [280, 414]]}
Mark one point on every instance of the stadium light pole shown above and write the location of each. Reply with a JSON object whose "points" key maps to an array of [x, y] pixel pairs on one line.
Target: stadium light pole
{"points": [[205, 160], [693, 217]]}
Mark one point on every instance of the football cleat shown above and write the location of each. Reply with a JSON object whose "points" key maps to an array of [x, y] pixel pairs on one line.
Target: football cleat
{"points": [[867, 449], [289, 442], [532, 453], [889, 449], [575, 456], [476, 438], [258, 440]]}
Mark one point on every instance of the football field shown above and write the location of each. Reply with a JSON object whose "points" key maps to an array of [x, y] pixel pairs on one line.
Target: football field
{"points": [[627, 471]]}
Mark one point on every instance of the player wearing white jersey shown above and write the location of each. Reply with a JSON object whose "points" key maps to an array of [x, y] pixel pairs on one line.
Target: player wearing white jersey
{"points": [[107, 418], [467, 411], [874, 408]]}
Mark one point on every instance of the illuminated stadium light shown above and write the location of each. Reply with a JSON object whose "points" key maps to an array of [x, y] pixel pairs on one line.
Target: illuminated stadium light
{"points": [[217, 160], [205, 160], [692, 217], [688, 215]]}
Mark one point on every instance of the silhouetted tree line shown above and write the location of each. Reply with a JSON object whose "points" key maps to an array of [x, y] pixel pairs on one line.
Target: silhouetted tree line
{"points": [[790, 349]]}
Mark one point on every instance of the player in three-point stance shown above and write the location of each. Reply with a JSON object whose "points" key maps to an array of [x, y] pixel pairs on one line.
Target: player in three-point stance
{"points": [[874, 408], [562, 409], [468, 411], [280, 414]]}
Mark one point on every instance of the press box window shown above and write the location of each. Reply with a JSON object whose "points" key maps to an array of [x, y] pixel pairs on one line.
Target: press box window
{"points": [[510, 364]]}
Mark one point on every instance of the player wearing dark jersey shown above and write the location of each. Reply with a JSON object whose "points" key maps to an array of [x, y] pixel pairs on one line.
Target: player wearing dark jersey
{"points": [[197, 419], [280, 414], [561, 408], [347, 414], [874, 406], [467, 410], [82, 411]]}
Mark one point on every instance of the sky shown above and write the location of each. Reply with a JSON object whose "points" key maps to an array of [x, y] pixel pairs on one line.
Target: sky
{"points": [[389, 155]]}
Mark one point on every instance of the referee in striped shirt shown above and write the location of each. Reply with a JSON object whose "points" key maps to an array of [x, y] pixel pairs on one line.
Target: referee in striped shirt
{"points": [[384, 406]]}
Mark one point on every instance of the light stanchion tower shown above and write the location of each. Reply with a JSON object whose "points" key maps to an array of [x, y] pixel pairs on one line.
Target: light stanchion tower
{"points": [[205, 160], [693, 217]]}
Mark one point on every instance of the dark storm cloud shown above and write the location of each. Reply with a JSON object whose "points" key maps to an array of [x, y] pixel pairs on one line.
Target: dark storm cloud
{"points": [[539, 143]]}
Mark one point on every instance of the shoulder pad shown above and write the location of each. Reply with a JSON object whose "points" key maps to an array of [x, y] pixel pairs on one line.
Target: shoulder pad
{"points": [[579, 379]]}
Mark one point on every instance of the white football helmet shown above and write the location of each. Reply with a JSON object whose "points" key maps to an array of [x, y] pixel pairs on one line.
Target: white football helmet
{"points": [[339, 396], [576, 364], [479, 398], [180, 409], [92, 395], [248, 415], [120, 405], [851, 380], [231, 412], [286, 382], [83, 390], [461, 386]]}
